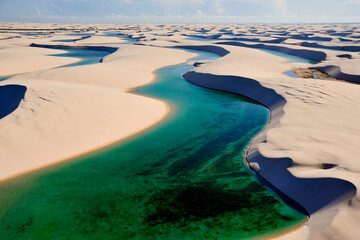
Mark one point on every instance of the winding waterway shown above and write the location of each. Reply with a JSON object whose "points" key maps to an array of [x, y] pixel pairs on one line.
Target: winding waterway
{"points": [[182, 179]]}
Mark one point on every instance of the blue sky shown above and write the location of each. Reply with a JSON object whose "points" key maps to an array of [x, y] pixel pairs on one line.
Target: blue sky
{"points": [[180, 11]]}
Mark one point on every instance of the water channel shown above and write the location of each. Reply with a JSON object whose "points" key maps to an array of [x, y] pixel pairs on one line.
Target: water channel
{"points": [[181, 179]]}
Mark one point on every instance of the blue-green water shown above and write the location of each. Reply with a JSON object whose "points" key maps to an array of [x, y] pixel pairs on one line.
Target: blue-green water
{"points": [[290, 58], [201, 39], [315, 41], [128, 40], [66, 40], [80, 34], [86, 57], [4, 78], [182, 179], [36, 34], [112, 34]]}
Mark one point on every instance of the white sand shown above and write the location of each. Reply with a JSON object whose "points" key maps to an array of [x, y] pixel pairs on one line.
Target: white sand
{"points": [[71, 111], [317, 128], [318, 131], [15, 60]]}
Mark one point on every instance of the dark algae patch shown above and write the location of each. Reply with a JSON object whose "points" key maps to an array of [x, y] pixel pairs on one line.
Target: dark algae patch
{"points": [[182, 179], [239, 213], [202, 201]]}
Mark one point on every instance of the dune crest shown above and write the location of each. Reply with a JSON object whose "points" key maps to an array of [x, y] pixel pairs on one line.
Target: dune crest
{"points": [[64, 108], [309, 150]]}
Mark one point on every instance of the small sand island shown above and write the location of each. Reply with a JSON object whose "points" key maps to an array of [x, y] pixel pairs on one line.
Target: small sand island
{"points": [[179, 131]]}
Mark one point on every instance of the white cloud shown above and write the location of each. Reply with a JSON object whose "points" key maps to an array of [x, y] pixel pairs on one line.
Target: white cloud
{"points": [[181, 2], [181, 11], [281, 5], [197, 16], [220, 7], [352, 2], [278, 5]]}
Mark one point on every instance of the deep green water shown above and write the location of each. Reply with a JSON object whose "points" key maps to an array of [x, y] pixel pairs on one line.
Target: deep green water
{"points": [[182, 179]]}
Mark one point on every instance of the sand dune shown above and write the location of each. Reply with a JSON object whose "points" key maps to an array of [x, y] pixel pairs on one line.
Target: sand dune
{"points": [[307, 158], [71, 111], [15, 60], [309, 150]]}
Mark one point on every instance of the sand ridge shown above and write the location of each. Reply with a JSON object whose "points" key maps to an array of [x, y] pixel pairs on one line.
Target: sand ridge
{"points": [[309, 150], [312, 137], [70, 111]]}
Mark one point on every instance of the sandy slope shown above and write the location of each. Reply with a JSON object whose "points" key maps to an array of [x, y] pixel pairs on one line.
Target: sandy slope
{"points": [[118, 69], [15, 60], [70, 111], [318, 131], [309, 150]]}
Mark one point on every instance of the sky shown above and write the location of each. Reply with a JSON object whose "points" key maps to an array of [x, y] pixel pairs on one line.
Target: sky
{"points": [[181, 11]]}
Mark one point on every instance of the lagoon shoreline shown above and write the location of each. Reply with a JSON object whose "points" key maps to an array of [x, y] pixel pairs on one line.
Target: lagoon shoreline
{"points": [[299, 137]]}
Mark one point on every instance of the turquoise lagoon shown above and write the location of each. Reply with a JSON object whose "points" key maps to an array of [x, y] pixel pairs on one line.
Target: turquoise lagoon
{"points": [[184, 178]]}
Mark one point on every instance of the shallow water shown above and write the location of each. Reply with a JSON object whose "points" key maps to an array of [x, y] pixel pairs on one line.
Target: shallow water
{"points": [[4, 78], [291, 73], [315, 41], [290, 58], [80, 34], [182, 179], [201, 39], [36, 34], [86, 57], [219, 39], [66, 40]]}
